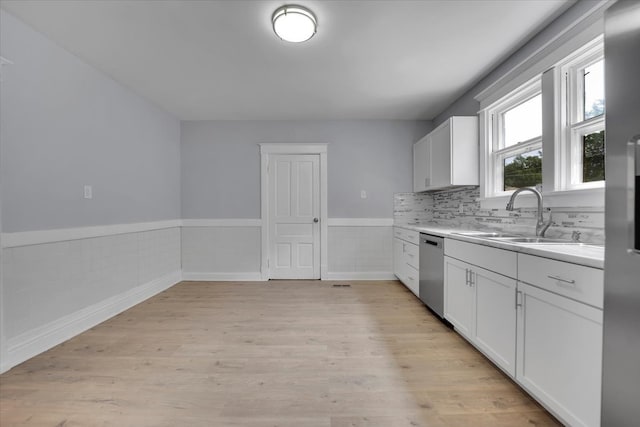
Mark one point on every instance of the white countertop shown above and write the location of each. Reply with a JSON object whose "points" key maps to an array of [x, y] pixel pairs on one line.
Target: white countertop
{"points": [[582, 254]]}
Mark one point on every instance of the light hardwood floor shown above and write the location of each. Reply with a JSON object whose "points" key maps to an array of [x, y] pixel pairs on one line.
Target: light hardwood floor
{"points": [[279, 353]]}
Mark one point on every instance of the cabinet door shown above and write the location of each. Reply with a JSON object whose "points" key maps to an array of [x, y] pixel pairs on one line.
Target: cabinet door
{"points": [[559, 357], [421, 166], [495, 319], [458, 296], [398, 257], [464, 150], [441, 156]]}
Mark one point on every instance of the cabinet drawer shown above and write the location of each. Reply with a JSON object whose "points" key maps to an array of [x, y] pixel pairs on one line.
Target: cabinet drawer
{"points": [[584, 284], [399, 233], [497, 260], [412, 280], [411, 256], [407, 235]]}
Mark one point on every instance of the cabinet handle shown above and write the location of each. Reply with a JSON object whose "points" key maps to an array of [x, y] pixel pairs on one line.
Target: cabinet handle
{"points": [[466, 277], [518, 299], [471, 282], [633, 150], [560, 279]]}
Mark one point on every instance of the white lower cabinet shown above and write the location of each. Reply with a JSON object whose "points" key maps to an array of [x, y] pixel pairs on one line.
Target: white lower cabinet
{"points": [[458, 296], [560, 337], [545, 333], [398, 258], [406, 259], [411, 280], [560, 354], [480, 304], [495, 318]]}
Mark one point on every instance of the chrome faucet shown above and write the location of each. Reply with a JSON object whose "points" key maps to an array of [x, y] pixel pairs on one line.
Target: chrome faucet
{"points": [[541, 226]]}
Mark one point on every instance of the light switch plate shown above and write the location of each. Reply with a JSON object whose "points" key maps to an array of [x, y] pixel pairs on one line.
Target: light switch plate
{"points": [[88, 192], [363, 194]]}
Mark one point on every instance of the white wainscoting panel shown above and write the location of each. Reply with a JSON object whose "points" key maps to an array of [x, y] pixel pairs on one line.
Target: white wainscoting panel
{"points": [[222, 252], [361, 249], [55, 290], [222, 222], [360, 222]]}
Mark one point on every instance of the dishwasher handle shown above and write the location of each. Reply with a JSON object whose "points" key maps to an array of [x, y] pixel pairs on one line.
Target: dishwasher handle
{"points": [[435, 242]]}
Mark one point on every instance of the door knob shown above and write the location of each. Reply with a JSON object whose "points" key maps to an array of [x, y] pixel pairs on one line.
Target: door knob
{"points": [[315, 220]]}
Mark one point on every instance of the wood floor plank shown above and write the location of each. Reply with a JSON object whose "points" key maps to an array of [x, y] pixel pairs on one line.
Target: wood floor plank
{"points": [[278, 353]]}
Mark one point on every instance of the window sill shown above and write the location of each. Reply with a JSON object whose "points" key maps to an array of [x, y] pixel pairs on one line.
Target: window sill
{"points": [[587, 198]]}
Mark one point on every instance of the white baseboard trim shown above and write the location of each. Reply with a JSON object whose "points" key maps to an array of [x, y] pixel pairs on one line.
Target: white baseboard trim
{"points": [[257, 277], [37, 237], [36, 341], [361, 275], [222, 277]]}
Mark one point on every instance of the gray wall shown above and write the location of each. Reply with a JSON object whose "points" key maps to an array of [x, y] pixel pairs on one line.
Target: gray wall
{"points": [[221, 164], [465, 105], [63, 125]]}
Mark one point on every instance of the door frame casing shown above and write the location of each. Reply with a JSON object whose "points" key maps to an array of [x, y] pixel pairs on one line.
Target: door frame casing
{"points": [[267, 150]]}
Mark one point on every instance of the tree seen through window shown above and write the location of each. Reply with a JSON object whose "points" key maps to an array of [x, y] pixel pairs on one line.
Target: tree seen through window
{"points": [[523, 170]]}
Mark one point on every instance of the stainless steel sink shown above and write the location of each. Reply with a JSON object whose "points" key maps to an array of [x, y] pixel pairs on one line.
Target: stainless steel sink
{"points": [[485, 235], [514, 238], [530, 240]]}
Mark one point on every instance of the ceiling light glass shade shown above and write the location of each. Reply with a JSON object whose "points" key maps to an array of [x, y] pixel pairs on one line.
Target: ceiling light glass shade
{"points": [[294, 23]]}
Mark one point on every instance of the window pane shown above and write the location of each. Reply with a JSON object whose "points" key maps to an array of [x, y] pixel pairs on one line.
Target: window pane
{"points": [[523, 122], [593, 157], [523, 170], [594, 90]]}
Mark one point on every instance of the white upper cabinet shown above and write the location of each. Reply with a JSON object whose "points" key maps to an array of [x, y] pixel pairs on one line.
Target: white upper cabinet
{"points": [[421, 165], [448, 156], [441, 144]]}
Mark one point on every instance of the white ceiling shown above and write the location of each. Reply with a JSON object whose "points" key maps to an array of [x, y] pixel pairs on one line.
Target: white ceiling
{"points": [[203, 60]]}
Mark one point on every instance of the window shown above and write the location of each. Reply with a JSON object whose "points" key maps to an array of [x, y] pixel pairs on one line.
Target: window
{"points": [[516, 134], [582, 136], [566, 93]]}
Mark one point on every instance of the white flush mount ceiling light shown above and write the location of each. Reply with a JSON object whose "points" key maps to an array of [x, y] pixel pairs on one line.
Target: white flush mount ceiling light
{"points": [[294, 23]]}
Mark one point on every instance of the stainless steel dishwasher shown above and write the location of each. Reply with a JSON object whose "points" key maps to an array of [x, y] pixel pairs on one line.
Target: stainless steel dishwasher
{"points": [[432, 272]]}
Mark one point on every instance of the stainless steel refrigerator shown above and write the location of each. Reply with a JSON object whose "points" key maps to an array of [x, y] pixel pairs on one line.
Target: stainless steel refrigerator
{"points": [[621, 358]]}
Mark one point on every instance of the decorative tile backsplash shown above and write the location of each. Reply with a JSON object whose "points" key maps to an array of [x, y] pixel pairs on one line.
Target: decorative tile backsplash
{"points": [[460, 208], [412, 208]]}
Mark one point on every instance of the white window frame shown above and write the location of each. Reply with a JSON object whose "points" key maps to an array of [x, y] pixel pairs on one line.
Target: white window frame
{"points": [[545, 65], [496, 151], [570, 128]]}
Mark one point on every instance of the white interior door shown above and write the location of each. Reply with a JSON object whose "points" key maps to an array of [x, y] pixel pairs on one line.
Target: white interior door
{"points": [[294, 212]]}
